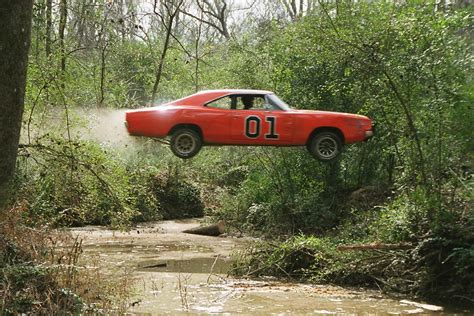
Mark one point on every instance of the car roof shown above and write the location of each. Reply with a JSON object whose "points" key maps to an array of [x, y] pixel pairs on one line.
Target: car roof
{"points": [[206, 96], [235, 91]]}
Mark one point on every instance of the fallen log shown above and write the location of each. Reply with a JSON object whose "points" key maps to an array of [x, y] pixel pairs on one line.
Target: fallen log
{"points": [[211, 230], [375, 245]]}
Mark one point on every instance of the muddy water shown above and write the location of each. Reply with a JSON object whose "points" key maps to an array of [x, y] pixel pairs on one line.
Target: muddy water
{"points": [[176, 273]]}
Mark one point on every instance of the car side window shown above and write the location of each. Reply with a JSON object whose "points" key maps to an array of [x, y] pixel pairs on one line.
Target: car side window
{"points": [[253, 102], [222, 103], [259, 103]]}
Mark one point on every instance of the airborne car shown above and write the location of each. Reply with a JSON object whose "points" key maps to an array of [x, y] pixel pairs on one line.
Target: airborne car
{"points": [[246, 117]]}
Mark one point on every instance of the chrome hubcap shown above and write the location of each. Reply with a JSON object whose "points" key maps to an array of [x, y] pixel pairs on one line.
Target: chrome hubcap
{"points": [[327, 147], [185, 144]]}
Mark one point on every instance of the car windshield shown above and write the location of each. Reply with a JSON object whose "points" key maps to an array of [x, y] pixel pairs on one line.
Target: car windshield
{"points": [[276, 102]]}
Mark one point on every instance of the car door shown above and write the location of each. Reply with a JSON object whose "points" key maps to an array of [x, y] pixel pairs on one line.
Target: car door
{"points": [[214, 120], [261, 126]]}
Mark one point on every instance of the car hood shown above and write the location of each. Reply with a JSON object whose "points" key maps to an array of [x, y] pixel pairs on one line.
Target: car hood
{"points": [[329, 113]]}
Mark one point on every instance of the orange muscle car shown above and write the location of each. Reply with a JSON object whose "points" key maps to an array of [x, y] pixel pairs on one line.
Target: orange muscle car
{"points": [[246, 117]]}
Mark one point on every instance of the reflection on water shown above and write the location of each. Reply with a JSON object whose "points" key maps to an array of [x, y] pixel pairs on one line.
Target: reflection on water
{"points": [[195, 265]]}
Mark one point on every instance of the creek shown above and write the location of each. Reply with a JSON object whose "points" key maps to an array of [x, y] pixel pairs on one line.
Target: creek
{"points": [[177, 273]]}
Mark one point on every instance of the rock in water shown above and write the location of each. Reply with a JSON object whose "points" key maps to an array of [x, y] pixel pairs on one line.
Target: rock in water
{"points": [[211, 230]]}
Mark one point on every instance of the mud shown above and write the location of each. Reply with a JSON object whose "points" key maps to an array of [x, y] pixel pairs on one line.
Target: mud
{"points": [[176, 273]]}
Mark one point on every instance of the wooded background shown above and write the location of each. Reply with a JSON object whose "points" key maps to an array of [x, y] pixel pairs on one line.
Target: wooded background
{"points": [[406, 65]]}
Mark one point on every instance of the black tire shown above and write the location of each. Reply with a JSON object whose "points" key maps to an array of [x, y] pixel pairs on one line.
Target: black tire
{"points": [[185, 143], [325, 146]]}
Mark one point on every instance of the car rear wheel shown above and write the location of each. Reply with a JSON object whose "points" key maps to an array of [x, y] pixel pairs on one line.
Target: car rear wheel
{"points": [[185, 143], [325, 146]]}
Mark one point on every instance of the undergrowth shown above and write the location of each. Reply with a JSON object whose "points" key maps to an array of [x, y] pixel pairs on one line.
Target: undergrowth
{"points": [[398, 251], [41, 273], [76, 183]]}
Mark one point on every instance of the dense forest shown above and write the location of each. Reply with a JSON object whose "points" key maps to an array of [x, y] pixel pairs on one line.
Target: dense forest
{"points": [[407, 192]]}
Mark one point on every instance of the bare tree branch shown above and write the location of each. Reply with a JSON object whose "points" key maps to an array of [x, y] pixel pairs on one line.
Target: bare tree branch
{"points": [[172, 11], [216, 14]]}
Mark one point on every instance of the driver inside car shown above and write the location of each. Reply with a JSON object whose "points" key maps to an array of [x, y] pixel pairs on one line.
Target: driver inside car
{"points": [[248, 102]]}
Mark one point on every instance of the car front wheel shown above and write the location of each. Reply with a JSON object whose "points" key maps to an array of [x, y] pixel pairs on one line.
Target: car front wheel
{"points": [[325, 146], [185, 143]]}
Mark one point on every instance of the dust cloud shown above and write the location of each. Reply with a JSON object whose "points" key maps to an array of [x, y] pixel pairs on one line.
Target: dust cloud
{"points": [[104, 126], [100, 125]]}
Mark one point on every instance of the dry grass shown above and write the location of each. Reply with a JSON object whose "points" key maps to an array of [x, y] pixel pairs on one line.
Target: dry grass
{"points": [[41, 273], [182, 287]]}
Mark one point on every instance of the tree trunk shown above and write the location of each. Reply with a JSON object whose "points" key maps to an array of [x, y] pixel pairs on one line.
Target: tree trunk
{"points": [[49, 25], [81, 24], [122, 13], [15, 23], [211, 230], [103, 56], [159, 71], [62, 29], [196, 55]]}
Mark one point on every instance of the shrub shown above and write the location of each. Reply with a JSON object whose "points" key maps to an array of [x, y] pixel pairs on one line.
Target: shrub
{"points": [[285, 191], [178, 198], [38, 277], [78, 183]]}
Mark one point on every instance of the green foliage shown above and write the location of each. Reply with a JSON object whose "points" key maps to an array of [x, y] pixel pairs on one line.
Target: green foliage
{"points": [[285, 191], [408, 66], [38, 276], [29, 283], [396, 70], [298, 257], [438, 259], [77, 183], [426, 270], [402, 65], [178, 198], [406, 218], [146, 202]]}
